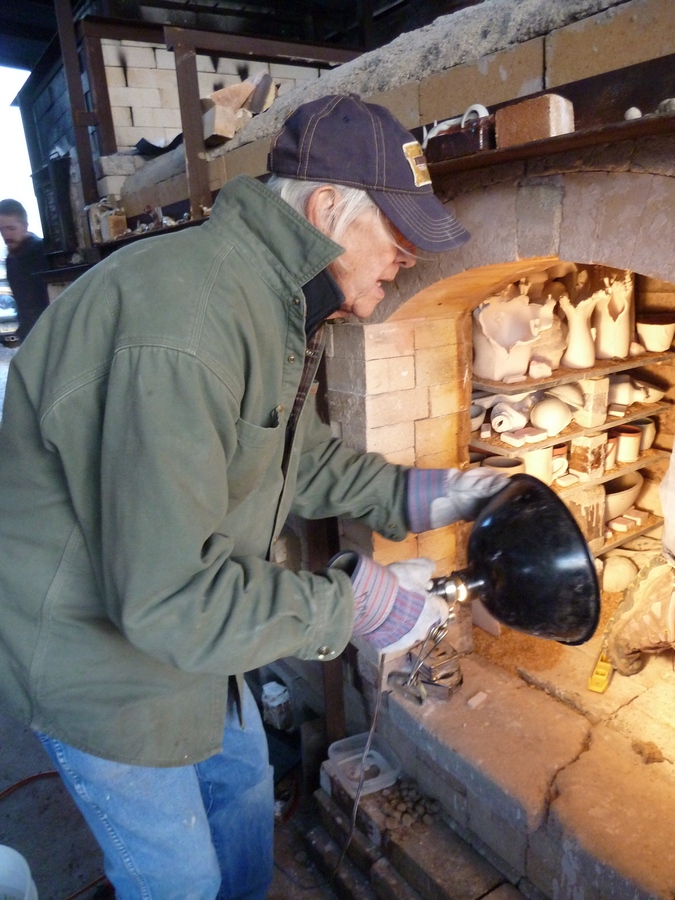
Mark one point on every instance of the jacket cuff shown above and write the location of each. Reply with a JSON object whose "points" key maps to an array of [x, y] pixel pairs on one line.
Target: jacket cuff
{"points": [[424, 486], [375, 589]]}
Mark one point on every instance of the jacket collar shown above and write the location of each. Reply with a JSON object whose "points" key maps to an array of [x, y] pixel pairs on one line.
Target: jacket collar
{"points": [[260, 223]]}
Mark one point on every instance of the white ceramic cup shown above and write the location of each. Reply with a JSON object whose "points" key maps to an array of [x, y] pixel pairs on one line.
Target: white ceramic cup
{"points": [[628, 443], [656, 335], [648, 428], [610, 451], [539, 463], [560, 466], [507, 465]]}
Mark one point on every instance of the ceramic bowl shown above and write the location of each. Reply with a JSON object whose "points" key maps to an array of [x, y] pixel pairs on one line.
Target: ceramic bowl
{"points": [[571, 394], [621, 493], [477, 414], [551, 414], [656, 330]]}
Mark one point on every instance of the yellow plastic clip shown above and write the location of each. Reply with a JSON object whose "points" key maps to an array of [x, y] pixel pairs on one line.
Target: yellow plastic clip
{"points": [[601, 674]]}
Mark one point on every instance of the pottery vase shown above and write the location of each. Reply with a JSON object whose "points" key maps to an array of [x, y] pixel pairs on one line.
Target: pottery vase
{"points": [[612, 318], [580, 352], [504, 331], [550, 343]]}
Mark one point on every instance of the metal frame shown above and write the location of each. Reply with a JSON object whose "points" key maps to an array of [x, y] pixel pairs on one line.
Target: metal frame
{"points": [[186, 43]]}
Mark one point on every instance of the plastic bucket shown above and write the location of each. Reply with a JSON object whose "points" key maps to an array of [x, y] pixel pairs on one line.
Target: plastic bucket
{"points": [[15, 878]]}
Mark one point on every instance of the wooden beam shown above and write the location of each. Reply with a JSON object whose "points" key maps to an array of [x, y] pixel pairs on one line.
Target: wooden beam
{"points": [[107, 142], [193, 130], [238, 46], [71, 64]]}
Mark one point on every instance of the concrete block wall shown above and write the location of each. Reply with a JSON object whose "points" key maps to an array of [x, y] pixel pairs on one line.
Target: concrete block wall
{"points": [[141, 79], [394, 389]]}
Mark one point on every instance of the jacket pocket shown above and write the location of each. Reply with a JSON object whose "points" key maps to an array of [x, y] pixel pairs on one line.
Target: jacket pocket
{"points": [[258, 451]]}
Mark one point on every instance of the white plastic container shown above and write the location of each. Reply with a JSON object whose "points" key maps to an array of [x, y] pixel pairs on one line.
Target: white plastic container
{"points": [[382, 768], [15, 878], [276, 703]]}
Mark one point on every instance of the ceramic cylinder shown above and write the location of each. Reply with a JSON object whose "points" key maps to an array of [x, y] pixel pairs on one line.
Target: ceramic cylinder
{"points": [[539, 463], [610, 451], [628, 443], [648, 428]]}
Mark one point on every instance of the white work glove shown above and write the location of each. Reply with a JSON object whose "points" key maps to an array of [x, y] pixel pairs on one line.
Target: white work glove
{"points": [[392, 607], [438, 497]]}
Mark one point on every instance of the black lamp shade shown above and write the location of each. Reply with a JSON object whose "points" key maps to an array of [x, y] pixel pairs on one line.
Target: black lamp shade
{"points": [[530, 565]]}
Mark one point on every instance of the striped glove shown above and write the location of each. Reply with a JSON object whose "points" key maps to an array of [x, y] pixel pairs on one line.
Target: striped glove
{"points": [[392, 608], [438, 497]]}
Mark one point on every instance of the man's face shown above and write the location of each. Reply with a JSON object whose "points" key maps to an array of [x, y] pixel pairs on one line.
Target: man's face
{"points": [[370, 257], [13, 231]]}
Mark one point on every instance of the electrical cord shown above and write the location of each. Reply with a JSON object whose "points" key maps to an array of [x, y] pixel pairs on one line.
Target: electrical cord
{"points": [[362, 771]]}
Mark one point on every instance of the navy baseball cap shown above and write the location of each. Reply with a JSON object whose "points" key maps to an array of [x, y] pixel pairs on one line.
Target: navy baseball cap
{"points": [[340, 139]]}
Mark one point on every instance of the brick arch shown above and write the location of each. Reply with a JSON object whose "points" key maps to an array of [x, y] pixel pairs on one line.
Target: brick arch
{"points": [[620, 219]]}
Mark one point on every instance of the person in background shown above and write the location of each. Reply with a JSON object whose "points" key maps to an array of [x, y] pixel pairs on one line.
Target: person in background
{"points": [[158, 429], [25, 259]]}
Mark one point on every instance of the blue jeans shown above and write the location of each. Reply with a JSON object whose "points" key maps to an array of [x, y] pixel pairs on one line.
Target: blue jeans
{"points": [[196, 832]]}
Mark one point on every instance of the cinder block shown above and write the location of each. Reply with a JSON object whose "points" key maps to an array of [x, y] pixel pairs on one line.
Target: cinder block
{"points": [[433, 366], [344, 374], [151, 78], [251, 159], [439, 865], [435, 333], [436, 435], [325, 853], [297, 73], [396, 406], [115, 77], [204, 64], [137, 57], [156, 118], [388, 884], [121, 116], [208, 83], [129, 137], [440, 543], [509, 843], [445, 399], [388, 340], [383, 375], [135, 97], [118, 164], [533, 120], [347, 339], [587, 456], [628, 33], [169, 95], [110, 184], [382, 550], [165, 59], [362, 852], [403, 101], [111, 53], [390, 438], [496, 78]]}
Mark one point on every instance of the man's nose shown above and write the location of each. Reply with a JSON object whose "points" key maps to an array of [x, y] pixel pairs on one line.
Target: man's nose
{"points": [[406, 256]]}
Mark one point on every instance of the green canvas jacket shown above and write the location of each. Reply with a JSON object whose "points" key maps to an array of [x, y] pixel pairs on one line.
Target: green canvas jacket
{"points": [[141, 468]]}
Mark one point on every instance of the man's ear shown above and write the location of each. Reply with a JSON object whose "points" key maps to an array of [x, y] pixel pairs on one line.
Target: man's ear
{"points": [[320, 207]]}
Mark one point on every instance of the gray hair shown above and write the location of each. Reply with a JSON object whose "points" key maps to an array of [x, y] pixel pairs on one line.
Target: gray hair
{"points": [[351, 204]]}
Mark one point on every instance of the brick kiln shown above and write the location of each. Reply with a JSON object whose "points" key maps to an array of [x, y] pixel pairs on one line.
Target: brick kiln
{"points": [[565, 791]]}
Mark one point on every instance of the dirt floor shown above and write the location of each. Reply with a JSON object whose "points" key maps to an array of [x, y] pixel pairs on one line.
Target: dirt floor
{"points": [[38, 818]]}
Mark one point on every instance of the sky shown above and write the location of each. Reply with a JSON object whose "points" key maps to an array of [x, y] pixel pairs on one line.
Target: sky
{"points": [[15, 180]]}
